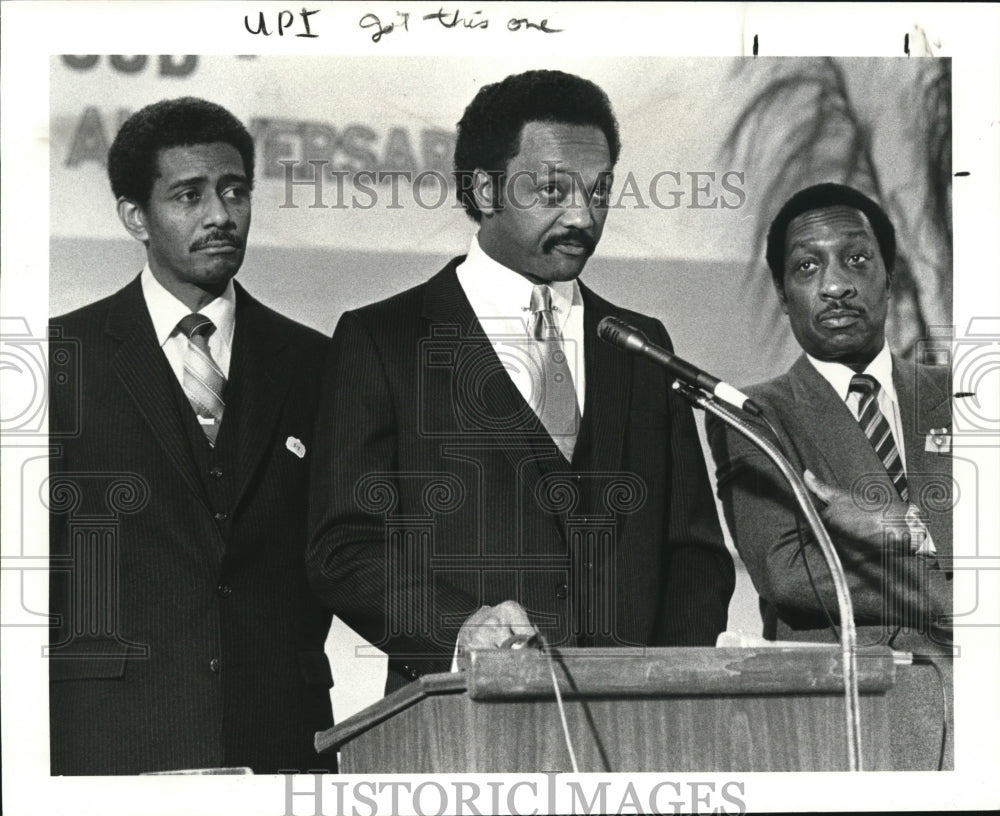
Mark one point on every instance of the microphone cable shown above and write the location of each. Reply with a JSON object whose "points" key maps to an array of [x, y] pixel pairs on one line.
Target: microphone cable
{"points": [[933, 662], [538, 641], [945, 712], [559, 701]]}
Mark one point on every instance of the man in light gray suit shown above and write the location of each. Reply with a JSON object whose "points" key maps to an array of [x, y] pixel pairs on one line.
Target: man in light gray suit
{"points": [[871, 431]]}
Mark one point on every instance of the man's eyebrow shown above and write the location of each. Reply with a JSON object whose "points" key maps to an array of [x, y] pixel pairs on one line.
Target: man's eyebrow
{"points": [[605, 177], [850, 234], [191, 181], [196, 181]]}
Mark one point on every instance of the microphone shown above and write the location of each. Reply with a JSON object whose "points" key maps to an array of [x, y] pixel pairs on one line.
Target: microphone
{"points": [[619, 333]]}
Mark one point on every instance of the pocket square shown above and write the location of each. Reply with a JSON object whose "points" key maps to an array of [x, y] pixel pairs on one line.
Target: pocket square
{"points": [[938, 440], [296, 447]]}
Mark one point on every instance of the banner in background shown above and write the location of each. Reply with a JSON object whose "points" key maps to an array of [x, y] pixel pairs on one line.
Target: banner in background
{"points": [[355, 152]]}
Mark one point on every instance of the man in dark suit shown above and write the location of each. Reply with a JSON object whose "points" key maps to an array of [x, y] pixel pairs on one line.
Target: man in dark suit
{"points": [[185, 633], [489, 467], [871, 431]]}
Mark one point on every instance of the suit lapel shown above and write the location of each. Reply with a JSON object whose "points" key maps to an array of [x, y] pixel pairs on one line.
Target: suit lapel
{"points": [[149, 381], [840, 443], [923, 406], [514, 426], [261, 375], [608, 378], [608, 386], [848, 454]]}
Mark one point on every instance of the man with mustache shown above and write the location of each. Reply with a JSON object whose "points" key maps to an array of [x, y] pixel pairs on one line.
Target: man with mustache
{"points": [[871, 432], [185, 636], [490, 468]]}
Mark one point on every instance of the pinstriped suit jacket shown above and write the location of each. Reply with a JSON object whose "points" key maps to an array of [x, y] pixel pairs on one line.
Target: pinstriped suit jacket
{"points": [[436, 490], [187, 634]]}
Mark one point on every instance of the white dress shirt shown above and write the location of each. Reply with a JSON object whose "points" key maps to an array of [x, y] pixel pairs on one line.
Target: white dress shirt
{"points": [[167, 311], [501, 299], [839, 377]]}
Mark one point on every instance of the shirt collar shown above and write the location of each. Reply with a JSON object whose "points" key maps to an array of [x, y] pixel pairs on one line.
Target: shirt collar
{"points": [[839, 375], [508, 289], [167, 311]]}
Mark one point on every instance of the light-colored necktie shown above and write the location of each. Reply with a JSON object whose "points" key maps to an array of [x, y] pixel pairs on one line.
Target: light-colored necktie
{"points": [[877, 429], [555, 398], [204, 382]]}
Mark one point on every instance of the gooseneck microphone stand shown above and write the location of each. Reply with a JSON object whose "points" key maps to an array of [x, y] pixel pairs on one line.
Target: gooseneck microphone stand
{"points": [[848, 635]]}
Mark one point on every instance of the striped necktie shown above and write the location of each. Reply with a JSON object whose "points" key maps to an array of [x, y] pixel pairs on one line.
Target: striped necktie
{"points": [[204, 382], [555, 401], [877, 429]]}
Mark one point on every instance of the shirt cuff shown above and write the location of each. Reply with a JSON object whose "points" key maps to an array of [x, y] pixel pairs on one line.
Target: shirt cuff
{"points": [[921, 542]]}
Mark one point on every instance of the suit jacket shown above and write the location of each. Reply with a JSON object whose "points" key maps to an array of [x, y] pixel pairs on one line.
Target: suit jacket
{"points": [[437, 490], [898, 599], [185, 633], [818, 432]]}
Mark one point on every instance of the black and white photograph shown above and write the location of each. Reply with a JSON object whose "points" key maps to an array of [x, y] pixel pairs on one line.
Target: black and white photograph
{"points": [[528, 407]]}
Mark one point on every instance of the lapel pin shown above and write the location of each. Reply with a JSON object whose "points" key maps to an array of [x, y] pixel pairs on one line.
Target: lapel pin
{"points": [[938, 441], [296, 447]]}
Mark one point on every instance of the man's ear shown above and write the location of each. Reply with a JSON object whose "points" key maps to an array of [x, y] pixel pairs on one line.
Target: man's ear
{"points": [[484, 190], [133, 218], [779, 289]]}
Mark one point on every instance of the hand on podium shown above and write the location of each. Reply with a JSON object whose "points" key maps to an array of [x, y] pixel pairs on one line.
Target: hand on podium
{"points": [[491, 626]]}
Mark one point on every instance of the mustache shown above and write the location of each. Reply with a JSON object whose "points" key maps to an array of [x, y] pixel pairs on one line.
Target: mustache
{"points": [[575, 236], [217, 237], [838, 306]]}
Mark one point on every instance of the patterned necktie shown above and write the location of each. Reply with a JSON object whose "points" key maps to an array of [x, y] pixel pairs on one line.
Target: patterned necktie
{"points": [[204, 381], [876, 428], [555, 401]]}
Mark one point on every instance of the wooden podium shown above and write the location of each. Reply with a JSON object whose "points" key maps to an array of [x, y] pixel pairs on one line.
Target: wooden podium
{"points": [[678, 709]]}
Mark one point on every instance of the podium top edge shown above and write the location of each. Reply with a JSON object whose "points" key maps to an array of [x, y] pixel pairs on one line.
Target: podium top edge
{"points": [[500, 674], [429, 685]]}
